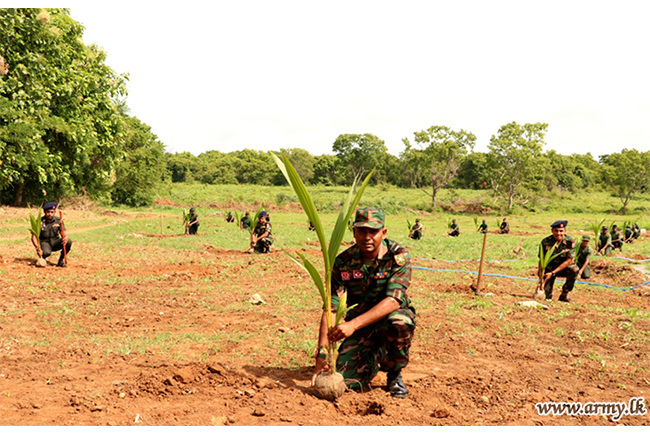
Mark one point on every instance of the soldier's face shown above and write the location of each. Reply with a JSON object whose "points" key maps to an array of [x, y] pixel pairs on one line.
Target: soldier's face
{"points": [[369, 240], [558, 233], [584, 244], [49, 214]]}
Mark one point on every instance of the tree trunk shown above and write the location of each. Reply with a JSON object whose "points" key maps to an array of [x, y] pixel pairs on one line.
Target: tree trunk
{"points": [[19, 194], [510, 201]]}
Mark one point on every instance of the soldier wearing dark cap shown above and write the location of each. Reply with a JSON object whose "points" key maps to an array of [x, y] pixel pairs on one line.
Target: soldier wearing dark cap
{"points": [[483, 228], [245, 222], [377, 332], [454, 230], [504, 229], [605, 242], [230, 218], [583, 257], [262, 237], [50, 240], [636, 231], [416, 230], [194, 221], [563, 264], [628, 234]]}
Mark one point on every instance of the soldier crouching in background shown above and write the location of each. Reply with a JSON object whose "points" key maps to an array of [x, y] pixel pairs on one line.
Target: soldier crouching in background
{"points": [[50, 239]]}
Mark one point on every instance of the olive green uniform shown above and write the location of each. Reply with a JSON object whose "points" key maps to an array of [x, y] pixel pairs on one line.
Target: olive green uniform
{"points": [[582, 256], [455, 230], [483, 228], [605, 239], [417, 231]]}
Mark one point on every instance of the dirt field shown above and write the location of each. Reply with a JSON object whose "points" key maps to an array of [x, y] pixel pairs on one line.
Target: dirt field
{"points": [[146, 335]]}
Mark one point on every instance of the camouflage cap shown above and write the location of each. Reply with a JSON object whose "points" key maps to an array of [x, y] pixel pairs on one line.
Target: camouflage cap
{"points": [[586, 238], [370, 217]]}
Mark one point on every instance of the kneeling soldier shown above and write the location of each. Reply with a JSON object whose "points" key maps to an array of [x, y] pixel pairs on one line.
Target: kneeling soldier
{"points": [[416, 230], [377, 332], [483, 228], [50, 240], [505, 227], [262, 238], [563, 264], [583, 257]]}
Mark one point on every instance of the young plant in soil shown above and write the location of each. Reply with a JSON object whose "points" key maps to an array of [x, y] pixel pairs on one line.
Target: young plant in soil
{"points": [[251, 229], [186, 221], [35, 229], [544, 259], [596, 228], [330, 384]]}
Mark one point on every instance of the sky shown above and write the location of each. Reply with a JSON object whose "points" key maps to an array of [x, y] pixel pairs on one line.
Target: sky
{"points": [[266, 75]]}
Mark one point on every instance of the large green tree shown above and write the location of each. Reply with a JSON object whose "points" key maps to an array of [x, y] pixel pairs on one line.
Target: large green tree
{"points": [[141, 167], [359, 153], [514, 158], [60, 129], [436, 157], [627, 173]]}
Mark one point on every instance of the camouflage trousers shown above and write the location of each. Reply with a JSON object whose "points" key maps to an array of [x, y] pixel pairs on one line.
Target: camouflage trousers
{"points": [[383, 345], [570, 273], [263, 245]]}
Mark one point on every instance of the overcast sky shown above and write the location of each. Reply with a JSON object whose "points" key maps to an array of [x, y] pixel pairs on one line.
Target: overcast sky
{"points": [[265, 75]]}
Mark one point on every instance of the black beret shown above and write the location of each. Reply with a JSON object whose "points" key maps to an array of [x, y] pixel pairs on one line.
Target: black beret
{"points": [[560, 223], [49, 205]]}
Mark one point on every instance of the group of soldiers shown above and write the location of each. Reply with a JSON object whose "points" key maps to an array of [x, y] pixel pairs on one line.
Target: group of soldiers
{"points": [[375, 273], [608, 242], [454, 229], [262, 237]]}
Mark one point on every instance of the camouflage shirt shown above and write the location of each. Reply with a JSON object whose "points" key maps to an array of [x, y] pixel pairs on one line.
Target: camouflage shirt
{"points": [[584, 254], [566, 250], [262, 228], [367, 285], [50, 230]]}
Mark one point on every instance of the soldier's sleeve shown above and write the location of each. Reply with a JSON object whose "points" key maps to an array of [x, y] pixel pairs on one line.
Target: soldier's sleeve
{"points": [[400, 277]]}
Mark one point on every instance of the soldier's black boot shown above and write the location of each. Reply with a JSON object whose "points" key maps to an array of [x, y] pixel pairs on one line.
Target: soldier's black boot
{"points": [[564, 297], [396, 385], [549, 293], [61, 263]]}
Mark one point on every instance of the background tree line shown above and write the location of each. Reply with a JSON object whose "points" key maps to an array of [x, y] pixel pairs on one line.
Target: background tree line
{"points": [[65, 130]]}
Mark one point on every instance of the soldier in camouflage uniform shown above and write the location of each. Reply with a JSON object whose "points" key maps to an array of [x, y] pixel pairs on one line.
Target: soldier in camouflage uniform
{"points": [[505, 227], [562, 265], [416, 230], [262, 238], [483, 228], [50, 238], [583, 257], [454, 230], [378, 331], [605, 242]]}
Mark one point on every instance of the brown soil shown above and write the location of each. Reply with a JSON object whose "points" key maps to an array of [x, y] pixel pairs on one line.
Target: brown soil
{"points": [[61, 364]]}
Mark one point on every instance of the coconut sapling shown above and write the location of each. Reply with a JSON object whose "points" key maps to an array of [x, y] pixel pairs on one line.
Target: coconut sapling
{"points": [[329, 384], [35, 230], [186, 221], [545, 257]]}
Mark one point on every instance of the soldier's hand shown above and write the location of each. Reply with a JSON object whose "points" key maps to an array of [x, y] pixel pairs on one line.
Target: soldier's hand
{"points": [[321, 366], [65, 239], [547, 276], [341, 331]]}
